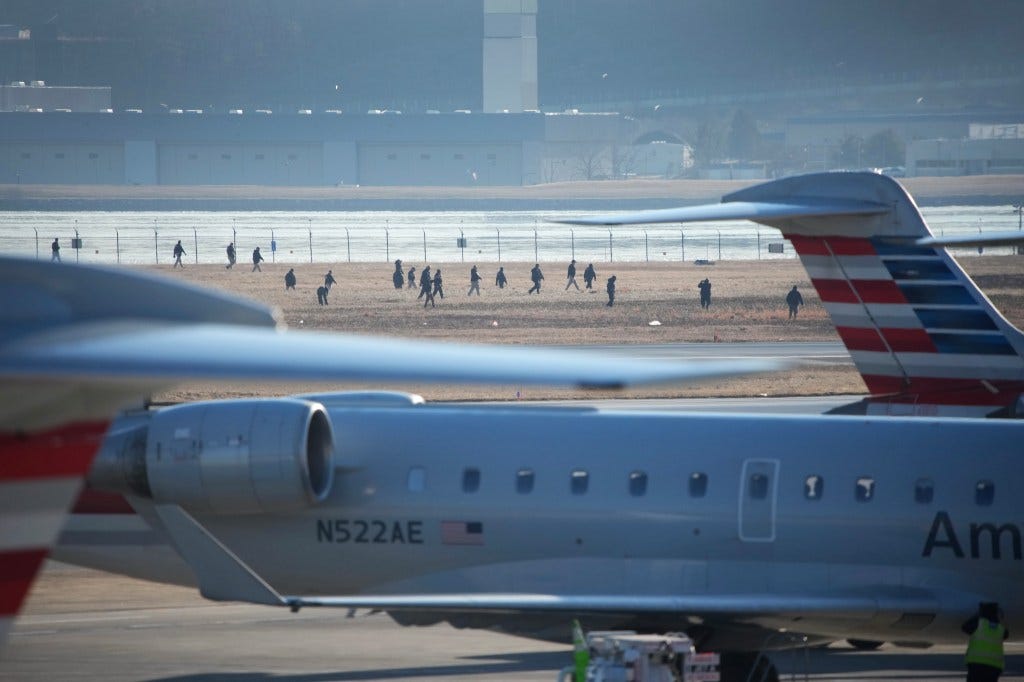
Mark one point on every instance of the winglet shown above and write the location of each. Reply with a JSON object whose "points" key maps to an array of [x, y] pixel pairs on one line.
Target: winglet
{"points": [[221, 574]]}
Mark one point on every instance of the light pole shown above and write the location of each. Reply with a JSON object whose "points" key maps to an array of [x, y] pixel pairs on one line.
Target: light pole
{"points": [[682, 247], [195, 244], [572, 241], [348, 246], [156, 250], [719, 244], [535, 258], [424, 245], [611, 253], [387, 240], [37, 241], [77, 241], [647, 252], [117, 246], [497, 229], [462, 242]]}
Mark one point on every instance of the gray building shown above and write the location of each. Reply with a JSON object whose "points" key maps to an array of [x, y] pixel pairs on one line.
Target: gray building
{"points": [[309, 149]]}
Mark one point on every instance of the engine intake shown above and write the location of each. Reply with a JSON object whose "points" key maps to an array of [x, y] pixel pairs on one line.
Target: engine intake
{"points": [[227, 457]]}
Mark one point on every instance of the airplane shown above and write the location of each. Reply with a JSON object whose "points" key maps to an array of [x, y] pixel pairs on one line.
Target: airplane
{"points": [[887, 522]]}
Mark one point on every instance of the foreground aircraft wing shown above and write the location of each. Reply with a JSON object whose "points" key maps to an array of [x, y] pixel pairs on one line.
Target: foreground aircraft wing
{"points": [[78, 343]]}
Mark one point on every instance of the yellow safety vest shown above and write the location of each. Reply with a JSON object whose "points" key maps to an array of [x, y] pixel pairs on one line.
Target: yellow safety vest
{"points": [[986, 644]]}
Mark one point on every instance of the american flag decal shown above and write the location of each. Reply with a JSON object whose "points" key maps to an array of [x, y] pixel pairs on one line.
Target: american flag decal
{"points": [[462, 533]]}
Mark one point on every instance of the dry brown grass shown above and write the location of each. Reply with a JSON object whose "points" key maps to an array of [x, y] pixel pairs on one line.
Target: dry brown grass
{"points": [[747, 305]]}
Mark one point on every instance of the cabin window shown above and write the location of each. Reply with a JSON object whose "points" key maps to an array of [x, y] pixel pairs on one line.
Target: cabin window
{"points": [[470, 480], [814, 487], [524, 481], [417, 479], [924, 491], [637, 483], [226, 157], [984, 493], [93, 155], [260, 157], [59, 155], [26, 155], [698, 484], [578, 482], [864, 491], [193, 157], [758, 487]]}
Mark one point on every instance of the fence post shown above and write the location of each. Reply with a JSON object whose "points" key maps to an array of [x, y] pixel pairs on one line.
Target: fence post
{"points": [[424, 246], [78, 240], [719, 244], [348, 246], [496, 229], [572, 240], [387, 241], [117, 245], [535, 258], [647, 252], [611, 252], [682, 246], [156, 249], [758, 244], [195, 244], [310, 244], [37, 242]]}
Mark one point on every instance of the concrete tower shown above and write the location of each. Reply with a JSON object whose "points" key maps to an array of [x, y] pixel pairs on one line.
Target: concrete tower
{"points": [[510, 55]]}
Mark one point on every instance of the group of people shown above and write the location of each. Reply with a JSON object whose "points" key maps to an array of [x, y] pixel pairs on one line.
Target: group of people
{"points": [[793, 299]]}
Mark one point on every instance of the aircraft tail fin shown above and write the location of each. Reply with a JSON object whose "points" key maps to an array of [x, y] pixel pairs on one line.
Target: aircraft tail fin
{"points": [[925, 339]]}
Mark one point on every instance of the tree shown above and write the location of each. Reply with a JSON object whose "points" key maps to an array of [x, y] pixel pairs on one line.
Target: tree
{"points": [[851, 152], [885, 149], [708, 142]]}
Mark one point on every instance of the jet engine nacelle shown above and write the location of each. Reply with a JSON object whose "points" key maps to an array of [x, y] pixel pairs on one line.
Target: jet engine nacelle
{"points": [[225, 457]]}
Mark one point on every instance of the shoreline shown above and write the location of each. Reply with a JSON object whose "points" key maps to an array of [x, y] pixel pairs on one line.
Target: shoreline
{"points": [[576, 196]]}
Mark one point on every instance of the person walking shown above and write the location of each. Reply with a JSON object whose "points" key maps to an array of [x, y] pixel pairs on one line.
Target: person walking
{"points": [[55, 250], [499, 279], [438, 284], [231, 256], [321, 295], [589, 275], [289, 279], [426, 288], [426, 282], [984, 657], [705, 293], [179, 251], [611, 291], [329, 280], [474, 281], [412, 277], [536, 276], [257, 258], [794, 300], [571, 275]]}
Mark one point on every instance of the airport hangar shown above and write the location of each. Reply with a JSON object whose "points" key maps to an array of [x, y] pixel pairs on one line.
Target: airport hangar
{"points": [[325, 149]]}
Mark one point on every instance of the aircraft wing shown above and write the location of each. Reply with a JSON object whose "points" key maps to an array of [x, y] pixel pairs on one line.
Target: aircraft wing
{"points": [[78, 343], [758, 211]]}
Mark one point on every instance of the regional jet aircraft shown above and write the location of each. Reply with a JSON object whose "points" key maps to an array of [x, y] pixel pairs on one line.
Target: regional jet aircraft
{"points": [[749, 532]]}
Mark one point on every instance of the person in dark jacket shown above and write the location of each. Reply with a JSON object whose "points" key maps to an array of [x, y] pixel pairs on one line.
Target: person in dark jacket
{"points": [[571, 276], [329, 280], [438, 283], [611, 291], [398, 278], [257, 258], [231, 256], [426, 282], [474, 281], [412, 277], [589, 275], [536, 276], [55, 250], [289, 279], [705, 293], [499, 279], [794, 300], [321, 295], [179, 251]]}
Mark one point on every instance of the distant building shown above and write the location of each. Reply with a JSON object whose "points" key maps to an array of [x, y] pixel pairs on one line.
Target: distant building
{"points": [[989, 149], [36, 96]]}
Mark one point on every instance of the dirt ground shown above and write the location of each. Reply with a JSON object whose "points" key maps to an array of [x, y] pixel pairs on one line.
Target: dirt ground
{"points": [[747, 305]]}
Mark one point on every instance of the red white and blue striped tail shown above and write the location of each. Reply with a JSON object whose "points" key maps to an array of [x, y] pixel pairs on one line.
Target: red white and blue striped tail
{"points": [[925, 339]]}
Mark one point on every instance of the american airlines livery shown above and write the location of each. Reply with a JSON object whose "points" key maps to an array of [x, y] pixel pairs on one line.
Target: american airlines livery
{"points": [[887, 521]]}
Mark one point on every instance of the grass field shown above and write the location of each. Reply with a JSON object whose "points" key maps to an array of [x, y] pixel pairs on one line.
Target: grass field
{"points": [[747, 305]]}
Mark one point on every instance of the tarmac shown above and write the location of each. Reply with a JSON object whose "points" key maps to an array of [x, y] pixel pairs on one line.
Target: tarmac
{"points": [[84, 625]]}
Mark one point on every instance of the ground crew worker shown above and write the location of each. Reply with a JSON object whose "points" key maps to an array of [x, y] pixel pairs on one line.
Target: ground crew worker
{"points": [[589, 275], [179, 251], [412, 277], [55, 250], [499, 279], [474, 281], [289, 280], [329, 280], [793, 300], [231, 256], [257, 257], [985, 648], [611, 291], [571, 275], [321, 295], [537, 277]]}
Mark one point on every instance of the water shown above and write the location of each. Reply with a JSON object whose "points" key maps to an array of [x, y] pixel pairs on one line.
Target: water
{"points": [[415, 237]]}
